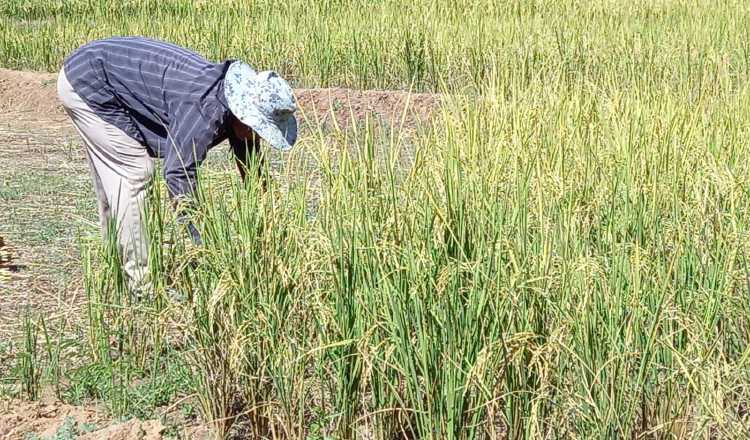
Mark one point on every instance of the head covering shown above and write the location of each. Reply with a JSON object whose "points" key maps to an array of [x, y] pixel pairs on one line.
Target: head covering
{"points": [[264, 102]]}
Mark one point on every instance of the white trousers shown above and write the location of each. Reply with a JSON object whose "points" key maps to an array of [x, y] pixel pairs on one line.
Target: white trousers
{"points": [[121, 170]]}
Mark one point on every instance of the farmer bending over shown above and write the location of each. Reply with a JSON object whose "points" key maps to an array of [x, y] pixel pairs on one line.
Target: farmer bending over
{"points": [[134, 99]]}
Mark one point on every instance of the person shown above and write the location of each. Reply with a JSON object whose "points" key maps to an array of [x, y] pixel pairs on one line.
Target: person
{"points": [[134, 99]]}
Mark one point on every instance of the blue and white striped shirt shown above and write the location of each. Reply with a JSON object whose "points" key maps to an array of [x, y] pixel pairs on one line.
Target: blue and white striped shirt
{"points": [[166, 97]]}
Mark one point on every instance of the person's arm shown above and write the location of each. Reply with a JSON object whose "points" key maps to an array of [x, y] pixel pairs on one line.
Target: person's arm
{"points": [[190, 137], [244, 152]]}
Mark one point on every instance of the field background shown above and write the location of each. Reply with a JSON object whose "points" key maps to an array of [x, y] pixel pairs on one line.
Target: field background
{"points": [[425, 45], [561, 252]]}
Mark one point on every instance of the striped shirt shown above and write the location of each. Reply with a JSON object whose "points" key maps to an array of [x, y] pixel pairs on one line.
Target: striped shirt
{"points": [[168, 98]]}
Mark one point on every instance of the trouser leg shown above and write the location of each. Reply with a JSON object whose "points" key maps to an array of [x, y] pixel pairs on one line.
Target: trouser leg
{"points": [[121, 170], [105, 213]]}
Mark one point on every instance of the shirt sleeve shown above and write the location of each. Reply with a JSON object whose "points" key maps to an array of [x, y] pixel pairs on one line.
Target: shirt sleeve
{"points": [[191, 134]]}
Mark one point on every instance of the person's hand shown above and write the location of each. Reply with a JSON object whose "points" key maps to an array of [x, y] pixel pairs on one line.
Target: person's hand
{"points": [[194, 234]]}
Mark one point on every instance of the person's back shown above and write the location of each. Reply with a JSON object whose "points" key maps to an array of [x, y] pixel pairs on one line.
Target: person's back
{"points": [[142, 86]]}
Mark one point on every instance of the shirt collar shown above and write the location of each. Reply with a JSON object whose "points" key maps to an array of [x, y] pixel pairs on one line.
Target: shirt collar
{"points": [[220, 89], [226, 124]]}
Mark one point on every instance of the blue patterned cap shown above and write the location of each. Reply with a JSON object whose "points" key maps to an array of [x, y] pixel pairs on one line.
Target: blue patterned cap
{"points": [[264, 102]]}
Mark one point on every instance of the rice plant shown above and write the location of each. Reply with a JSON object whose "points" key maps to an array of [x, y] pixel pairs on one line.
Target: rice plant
{"points": [[526, 268], [425, 45]]}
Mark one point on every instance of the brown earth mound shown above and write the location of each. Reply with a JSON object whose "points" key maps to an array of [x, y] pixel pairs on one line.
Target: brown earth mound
{"points": [[32, 96], [20, 420], [29, 92]]}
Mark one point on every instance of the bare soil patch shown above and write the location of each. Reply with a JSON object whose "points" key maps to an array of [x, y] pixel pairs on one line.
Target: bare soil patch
{"points": [[48, 418], [32, 93]]}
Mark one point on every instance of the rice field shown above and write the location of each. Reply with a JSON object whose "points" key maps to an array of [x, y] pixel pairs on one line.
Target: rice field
{"points": [[561, 253], [422, 45]]}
